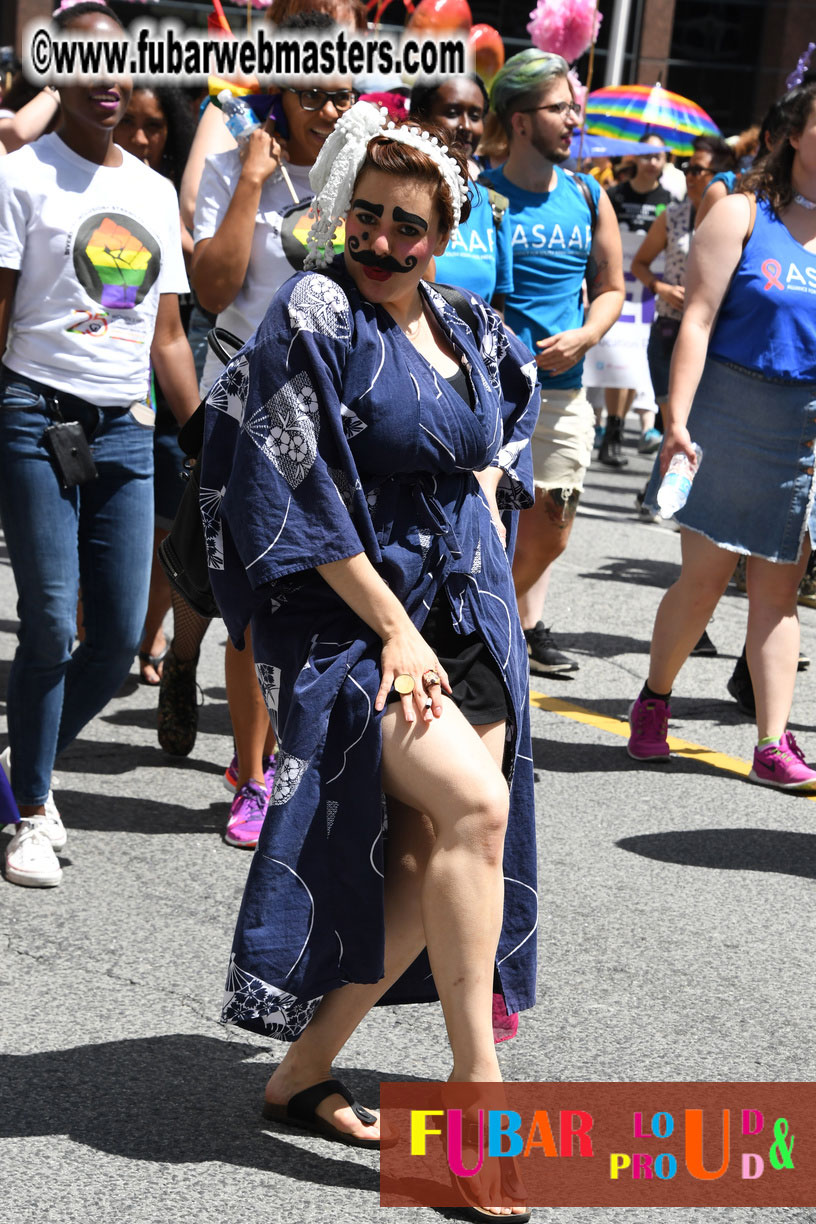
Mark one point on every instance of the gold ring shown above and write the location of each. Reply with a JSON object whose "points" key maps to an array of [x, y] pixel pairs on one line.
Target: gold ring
{"points": [[404, 684], [430, 678]]}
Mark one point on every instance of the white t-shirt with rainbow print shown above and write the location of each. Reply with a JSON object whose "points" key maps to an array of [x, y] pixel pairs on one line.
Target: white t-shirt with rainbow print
{"points": [[95, 247]]}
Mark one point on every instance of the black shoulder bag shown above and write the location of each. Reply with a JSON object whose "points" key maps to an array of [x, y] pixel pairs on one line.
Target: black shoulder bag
{"points": [[183, 553]]}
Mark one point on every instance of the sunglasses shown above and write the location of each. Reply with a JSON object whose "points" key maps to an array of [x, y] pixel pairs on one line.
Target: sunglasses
{"points": [[693, 171], [316, 99]]}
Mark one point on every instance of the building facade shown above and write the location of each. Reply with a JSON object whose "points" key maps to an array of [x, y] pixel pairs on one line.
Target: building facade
{"points": [[730, 56]]}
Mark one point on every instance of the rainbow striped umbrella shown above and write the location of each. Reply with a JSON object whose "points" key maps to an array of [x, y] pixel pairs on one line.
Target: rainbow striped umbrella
{"points": [[628, 111]]}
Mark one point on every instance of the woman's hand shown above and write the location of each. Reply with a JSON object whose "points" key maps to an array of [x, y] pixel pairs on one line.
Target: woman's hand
{"points": [[676, 441], [260, 155], [672, 295], [406, 653]]}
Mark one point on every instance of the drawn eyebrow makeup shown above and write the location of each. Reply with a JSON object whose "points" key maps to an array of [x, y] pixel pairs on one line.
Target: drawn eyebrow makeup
{"points": [[401, 215], [376, 209]]}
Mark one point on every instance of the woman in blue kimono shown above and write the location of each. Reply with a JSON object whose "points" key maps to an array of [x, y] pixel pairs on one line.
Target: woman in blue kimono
{"points": [[361, 452]]}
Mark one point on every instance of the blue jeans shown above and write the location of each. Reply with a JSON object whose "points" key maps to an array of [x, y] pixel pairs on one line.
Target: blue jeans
{"points": [[97, 537]]}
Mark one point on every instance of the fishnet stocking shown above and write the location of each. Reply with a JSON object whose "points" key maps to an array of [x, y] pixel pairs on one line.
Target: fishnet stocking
{"points": [[188, 629]]}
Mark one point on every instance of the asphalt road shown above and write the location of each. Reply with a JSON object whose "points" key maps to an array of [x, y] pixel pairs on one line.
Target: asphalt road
{"points": [[676, 938]]}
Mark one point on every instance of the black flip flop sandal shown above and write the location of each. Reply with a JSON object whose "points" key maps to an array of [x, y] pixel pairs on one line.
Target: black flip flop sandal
{"points": [[300, 1110], [154, 661]]}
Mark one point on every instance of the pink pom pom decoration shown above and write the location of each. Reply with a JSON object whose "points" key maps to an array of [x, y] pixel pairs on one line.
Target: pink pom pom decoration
{"points": [[565, 27], [578, 90]]}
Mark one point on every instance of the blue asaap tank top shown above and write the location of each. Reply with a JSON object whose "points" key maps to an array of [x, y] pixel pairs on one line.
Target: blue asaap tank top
{"points": [[767, 322]]}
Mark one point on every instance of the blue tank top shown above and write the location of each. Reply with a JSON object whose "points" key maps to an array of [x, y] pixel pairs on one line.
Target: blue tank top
{"points": [[767, 322], [551, 237]]}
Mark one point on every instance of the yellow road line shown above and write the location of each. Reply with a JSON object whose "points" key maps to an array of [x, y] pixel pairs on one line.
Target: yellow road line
{"points": [[619, 726]]}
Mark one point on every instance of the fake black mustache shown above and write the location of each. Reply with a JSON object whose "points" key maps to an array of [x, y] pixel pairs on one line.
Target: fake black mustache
{"points": [[385, 263]]}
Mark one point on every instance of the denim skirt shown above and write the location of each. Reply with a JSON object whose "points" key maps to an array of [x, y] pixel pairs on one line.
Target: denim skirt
{"points": [[753, 492]]}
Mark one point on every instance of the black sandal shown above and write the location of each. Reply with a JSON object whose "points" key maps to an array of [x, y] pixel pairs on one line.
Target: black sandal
{"points": [[300, 1110], [155, 661]]}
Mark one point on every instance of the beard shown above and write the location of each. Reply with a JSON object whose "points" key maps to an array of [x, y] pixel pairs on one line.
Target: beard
{"points": [[552, 150]]}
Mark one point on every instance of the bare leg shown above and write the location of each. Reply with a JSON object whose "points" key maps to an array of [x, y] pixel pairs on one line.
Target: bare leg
{"points": [[772, 642], [618, 401], [647, 419], [686, 608], [158, 605], [443, 888], [254, 737], [543, 533]]}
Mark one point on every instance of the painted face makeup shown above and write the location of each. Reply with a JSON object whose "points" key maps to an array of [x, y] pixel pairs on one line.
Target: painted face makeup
{"points": [[382, 263], [392, 232]]}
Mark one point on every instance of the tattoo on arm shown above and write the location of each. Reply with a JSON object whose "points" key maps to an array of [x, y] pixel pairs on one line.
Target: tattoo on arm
{"points": [[596, 276]]}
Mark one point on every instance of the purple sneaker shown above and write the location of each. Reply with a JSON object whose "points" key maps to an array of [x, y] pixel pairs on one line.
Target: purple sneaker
{"points": [[783, 765], [247, 812], [231, 773], [649, 723]]}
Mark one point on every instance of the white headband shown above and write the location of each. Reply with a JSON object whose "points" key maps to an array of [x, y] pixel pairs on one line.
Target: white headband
{"points": [[334, 173]]}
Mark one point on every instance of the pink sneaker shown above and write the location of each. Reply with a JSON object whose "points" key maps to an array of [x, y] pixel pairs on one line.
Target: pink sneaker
{"points": [[247, 812], [231, 773], [649, 723], [783, 765]]}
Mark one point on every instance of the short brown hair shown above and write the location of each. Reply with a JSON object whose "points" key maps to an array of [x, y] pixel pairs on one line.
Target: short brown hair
{"points": [[404, 161], [344, 12]]}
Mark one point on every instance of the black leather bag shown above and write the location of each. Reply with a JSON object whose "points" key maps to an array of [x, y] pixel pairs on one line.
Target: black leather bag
{"points": [[183, 553]]}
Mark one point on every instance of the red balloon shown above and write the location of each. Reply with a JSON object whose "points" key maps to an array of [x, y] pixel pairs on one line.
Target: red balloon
{"points": [[441, 16], [487, 49]]}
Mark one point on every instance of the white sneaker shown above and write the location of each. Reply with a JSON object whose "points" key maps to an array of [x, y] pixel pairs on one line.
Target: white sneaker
{"points": [[30, 857], [52, 824]]}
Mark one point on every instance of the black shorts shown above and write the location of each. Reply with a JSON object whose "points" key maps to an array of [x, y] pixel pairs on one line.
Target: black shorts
{"points": [[474, 675]]}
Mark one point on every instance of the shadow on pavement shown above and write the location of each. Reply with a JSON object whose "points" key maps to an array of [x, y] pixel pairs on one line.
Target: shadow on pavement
{"points": [[598, 645], [564, 757], [109, 757], [128, 814], [731, 849], [213, 717], [177, 1099], [644, 571]]}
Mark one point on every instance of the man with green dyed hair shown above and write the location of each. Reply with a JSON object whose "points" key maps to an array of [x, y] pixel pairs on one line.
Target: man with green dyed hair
{"points": [[564, 232]]}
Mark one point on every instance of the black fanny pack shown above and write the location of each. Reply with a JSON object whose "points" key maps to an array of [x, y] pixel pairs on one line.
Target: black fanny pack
{"points": [[68, 447]]}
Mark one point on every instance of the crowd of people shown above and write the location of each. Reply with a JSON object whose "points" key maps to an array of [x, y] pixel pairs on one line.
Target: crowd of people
{"points": [[392, 463]]}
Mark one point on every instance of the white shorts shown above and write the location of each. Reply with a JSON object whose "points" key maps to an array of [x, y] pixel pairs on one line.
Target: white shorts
{"points": [[563, 439]]}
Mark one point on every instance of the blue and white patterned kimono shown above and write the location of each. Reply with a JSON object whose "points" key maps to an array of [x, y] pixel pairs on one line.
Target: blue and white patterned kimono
{"points": [[329, 435]]}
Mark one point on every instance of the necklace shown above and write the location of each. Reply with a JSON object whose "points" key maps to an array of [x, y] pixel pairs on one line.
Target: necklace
{"points": [[803, 201]]}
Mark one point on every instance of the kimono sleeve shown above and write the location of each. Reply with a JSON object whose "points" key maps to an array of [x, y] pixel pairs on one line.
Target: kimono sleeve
{"points": [[513, 370], [275, 439]]}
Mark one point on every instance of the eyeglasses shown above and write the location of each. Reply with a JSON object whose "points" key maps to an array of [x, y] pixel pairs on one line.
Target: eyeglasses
{"points": [[693, 171], [555, 108], [316, 99]]}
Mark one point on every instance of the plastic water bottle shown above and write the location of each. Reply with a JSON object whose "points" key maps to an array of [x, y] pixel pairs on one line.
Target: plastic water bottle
{"points": [[676, 485], [241, 119]]}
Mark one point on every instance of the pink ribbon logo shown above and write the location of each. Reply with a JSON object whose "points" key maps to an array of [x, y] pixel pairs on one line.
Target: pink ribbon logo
{"points": [[771, 268]]}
